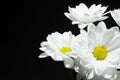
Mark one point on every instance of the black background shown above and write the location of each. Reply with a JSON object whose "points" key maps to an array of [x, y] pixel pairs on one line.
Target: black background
{"points": [[29, 23]]}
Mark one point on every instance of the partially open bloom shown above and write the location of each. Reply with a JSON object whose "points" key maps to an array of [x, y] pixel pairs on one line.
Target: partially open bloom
{"points": [[82, 15], [116, 15], [59, 47], [101, 55]]}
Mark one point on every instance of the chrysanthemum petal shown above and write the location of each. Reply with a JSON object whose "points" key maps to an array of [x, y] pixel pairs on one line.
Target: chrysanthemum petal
{"points": [[116, 15], [57, 57], [108, 35], [101, 26], [101, 66], [68, 62], [81, 26], [91, 27], [92, 38], [113, 59], [110, 73], [67, 38], [43, 55], [91, 75], [115, 41], [116, 29]]}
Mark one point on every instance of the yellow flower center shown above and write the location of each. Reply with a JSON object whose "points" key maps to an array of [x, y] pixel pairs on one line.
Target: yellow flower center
{"points": [[100, 53], [65, 50]]}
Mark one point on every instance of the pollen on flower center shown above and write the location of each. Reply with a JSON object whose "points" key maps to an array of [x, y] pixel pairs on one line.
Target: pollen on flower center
{"points": [[65, 50], [100, 53]]}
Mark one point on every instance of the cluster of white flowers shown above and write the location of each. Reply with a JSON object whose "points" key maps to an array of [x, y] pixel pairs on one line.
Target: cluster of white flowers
{"points": [[94, 53]]}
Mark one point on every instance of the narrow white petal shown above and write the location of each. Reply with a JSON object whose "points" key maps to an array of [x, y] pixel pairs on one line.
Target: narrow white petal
{"points": [[116, 29], [92, 8], [110, 73], [92, 39], [67, 15], [91, 75], [102, 18], [75, 22], [103, 9], [101, 66], [102, 26], [115, 52], [113, 59], [42, 55], [84, 7], [43, 48], [91, 27], [57, 57], [69, 8], [116, 15], [67, 38], [81, 26], [108, 35], [114, 43], [44, 43]]}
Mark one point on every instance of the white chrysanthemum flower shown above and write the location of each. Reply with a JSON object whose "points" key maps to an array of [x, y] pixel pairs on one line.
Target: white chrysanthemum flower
{"points": [[116, 15], [82, 15], [100, 54], [59, 47]]}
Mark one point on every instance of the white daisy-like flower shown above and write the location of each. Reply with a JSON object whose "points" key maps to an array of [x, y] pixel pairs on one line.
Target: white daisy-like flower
{"points": [[116, 15], [99, 52], [82, 15], [59, 47]]}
